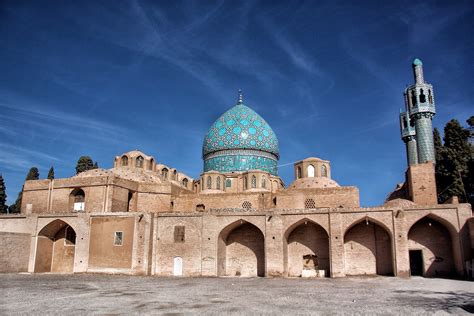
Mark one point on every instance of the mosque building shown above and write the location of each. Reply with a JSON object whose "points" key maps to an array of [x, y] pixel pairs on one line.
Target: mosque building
{"points": [[238, 218]]}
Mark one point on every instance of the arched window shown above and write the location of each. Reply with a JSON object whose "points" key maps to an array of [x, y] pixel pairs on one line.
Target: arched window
{"points": [[175, 175], [124, 161], [209, 182], [324, 171], [139, 162], [404, 124], [422, 96], [228, 183], [150, 165], [202, 184], [310, 171], [78, 200], [264, 182], [164, 173], [185, 182], [298, 173], [218, 183], [430, 97], [254, 182], [413, 98], [245, 183]]}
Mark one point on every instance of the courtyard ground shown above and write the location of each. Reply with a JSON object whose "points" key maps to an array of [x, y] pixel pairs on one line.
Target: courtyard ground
{"points": [[118, 294]]}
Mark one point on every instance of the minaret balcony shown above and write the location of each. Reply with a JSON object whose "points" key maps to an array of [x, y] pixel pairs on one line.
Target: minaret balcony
{"points": [[422, 108]]}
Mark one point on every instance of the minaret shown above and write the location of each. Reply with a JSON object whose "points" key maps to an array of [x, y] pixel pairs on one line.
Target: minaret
{"points": [[420, 109]]}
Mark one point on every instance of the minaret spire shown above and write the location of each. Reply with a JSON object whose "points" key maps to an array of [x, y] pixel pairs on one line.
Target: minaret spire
{"points": [[241, 97]]}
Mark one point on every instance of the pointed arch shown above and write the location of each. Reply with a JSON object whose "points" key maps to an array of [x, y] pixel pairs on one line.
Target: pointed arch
{"points": [[139, 162], [431, 247], [241, 250], [310, 171], [124, 161], [368, 248], [55, 248]]}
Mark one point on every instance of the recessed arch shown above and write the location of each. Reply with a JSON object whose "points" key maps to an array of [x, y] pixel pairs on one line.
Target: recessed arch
{"points": [[310, 171], [306, 249], [55, 248], [431, 247], [124, 161], [77, 200], [139, 162], [241, 250], [368, 248]]}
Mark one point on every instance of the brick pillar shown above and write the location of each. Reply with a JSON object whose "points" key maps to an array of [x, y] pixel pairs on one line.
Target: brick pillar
{"points": [[336, 245], [274, 245], [400, 236]]}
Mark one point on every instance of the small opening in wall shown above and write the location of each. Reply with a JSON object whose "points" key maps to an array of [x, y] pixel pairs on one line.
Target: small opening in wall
{"points": [[336, 237], [273, 237], [208, 238]]}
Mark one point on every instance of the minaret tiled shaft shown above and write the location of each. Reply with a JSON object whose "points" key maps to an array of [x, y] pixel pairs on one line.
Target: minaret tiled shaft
{"points": [[420, 109]]}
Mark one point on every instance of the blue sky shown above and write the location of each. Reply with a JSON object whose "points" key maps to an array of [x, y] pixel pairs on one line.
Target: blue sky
{"points": [[101, 78]]}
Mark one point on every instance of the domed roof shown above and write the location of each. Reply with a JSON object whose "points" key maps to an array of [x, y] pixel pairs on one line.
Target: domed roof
{"points": [[313, 183], [417, 62], [240, 128]]}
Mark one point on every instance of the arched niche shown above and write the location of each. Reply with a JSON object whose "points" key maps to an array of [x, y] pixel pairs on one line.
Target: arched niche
{"points": [[241, 250], [55, 248]]}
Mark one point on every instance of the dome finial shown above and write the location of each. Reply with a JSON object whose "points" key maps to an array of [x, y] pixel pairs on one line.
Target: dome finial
{"points": [[241, 97]]}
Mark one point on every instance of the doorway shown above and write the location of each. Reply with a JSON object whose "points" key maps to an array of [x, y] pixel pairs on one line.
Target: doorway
{"points": [[416, 262], [178, 266]]}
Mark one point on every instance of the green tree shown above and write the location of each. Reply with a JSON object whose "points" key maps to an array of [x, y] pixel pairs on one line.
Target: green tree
{"points": [[3, 196], [452, 163], [33, 174], [51, 173], [96, 165], [83, 164]]}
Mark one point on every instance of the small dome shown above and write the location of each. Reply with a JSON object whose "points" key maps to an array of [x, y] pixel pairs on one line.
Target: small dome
{"points": [[417, 62], [240, 128]]}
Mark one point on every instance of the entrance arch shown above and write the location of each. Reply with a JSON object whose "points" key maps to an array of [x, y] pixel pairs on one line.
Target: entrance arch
{"points": [[241, 250], [368, 249], [430, 248], [55, 248], [306, 248]]}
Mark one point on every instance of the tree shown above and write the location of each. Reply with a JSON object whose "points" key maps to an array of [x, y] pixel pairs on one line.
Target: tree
{"points": [[33, 174], [96, 166], [51, 173], [453, 160], [83, 164], [3, 196]]}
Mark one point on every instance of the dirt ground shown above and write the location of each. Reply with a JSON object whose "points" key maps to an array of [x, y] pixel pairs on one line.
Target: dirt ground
{"points": [[118, 294]]}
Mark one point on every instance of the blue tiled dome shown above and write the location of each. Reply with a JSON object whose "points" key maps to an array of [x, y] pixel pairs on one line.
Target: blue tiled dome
{"points": [[240, 128], [240, 140]]}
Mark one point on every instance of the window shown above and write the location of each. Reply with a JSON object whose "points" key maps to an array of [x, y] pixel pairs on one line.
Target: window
{"points": [[245, 183], [254, 182], [209, 183], [139, 162], [179, 232], [200, 208], [430, 97], [202, 184], [118, 238], [78, 198], [218, 183], [310, 171], [164, 173], [413, 98], [298, 173], [324, 171], [422, 96], [70, 237], [124, 161], [247, 205], [264, 182], [404, 122], [175, 175], [309, 203], [185, 182], [228, 183], [150, 165]]}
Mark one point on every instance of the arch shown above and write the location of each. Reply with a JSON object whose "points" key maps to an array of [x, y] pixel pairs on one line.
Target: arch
{"points": [[430, 247], [245, 183], [124, 161], [185, 182], [175, 175], [430, 96], [55, 248], [422, 96], [298, 172], [241, 250], [228, 183], [264, 182], [324, 171], [218, 183], [306, 249], [77, 200], [413, 98], [368, 248], [139, 162], [150, 164], [254, 182], [310, 171], [164, 173], [209, 182]]}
